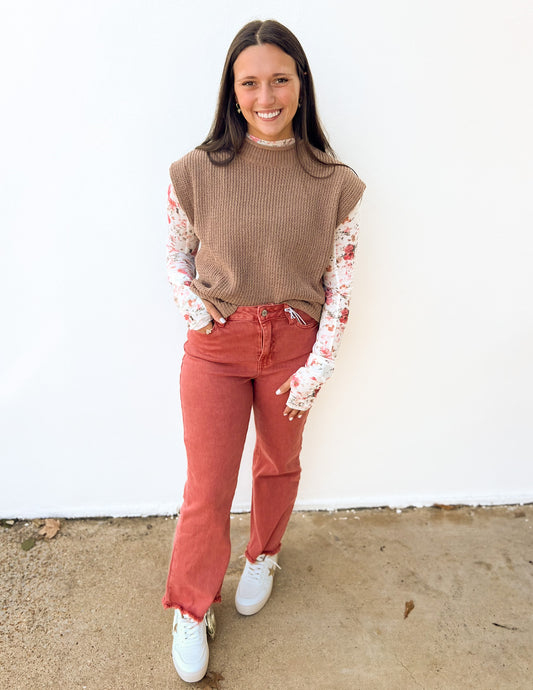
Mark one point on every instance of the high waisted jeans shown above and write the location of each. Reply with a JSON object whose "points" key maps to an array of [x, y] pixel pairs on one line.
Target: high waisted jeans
{"points": [[237, 367]]}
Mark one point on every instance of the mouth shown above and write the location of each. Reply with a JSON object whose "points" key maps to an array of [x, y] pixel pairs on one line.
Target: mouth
{"points": [[270, 115]]}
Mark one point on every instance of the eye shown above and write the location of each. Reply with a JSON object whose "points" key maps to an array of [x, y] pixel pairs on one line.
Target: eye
{"points": [[281, 80], [247, 83]]}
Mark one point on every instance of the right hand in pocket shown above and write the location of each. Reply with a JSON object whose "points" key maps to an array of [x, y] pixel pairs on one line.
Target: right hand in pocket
{"points": [[213, 311]]}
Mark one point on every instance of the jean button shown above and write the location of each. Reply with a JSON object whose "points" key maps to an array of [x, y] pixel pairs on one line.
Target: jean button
{"points": [[264, 312]]}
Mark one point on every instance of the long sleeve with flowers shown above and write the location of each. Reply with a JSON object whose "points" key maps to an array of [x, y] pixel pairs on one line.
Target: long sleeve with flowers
{"points": [[337, 281], [182, 247]]}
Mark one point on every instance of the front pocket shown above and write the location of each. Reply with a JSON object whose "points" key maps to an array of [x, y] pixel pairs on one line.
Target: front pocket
{"points": [[202, 334], [300, 318]]}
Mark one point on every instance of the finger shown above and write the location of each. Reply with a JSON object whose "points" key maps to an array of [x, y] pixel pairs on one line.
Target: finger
{"points": [[213, 311], [291, 413], [284, 387], [207, 329]]}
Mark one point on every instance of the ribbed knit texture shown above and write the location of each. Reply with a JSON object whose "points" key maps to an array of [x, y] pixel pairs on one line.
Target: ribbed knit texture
{"points": [[265, 225]]}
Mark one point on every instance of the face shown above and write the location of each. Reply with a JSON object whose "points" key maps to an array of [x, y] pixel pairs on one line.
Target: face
{"points": [[267, 90]]}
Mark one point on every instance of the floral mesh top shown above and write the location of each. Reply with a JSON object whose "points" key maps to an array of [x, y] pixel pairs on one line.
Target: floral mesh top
{"points": [[182, 247]]}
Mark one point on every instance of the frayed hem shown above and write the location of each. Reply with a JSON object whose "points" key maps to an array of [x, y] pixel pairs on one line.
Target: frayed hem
{"points": [[267, 553], [183, 611], [186, 612]]}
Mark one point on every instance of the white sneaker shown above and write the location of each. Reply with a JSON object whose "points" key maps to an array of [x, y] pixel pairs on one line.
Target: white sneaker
{"points": [[190, 652], [255, 585]]}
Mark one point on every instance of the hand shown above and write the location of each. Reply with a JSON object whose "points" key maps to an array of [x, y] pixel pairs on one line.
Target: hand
{"points": [[206, 329], [213, 311], [290, 412]]}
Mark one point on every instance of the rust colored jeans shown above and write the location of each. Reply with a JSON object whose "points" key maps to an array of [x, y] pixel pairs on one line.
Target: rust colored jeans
{"points": [[237, 367]]}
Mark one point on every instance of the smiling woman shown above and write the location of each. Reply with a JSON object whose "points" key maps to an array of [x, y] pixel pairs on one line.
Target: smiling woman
{"points": [[263, 232], [267, 90]]}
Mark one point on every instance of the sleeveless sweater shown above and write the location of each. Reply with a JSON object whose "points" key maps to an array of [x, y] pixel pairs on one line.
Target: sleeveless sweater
{"points": [[265, 225]]}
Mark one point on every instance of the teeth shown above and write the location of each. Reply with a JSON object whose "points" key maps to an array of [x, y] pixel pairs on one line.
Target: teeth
{"points": [[269, 116]]}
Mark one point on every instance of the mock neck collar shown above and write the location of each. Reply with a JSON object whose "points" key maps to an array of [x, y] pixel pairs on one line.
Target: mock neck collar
{"points": [[279, 144]]}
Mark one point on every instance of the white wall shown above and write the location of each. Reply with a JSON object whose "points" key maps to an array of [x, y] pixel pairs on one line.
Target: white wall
{"points": [[430, 102]]}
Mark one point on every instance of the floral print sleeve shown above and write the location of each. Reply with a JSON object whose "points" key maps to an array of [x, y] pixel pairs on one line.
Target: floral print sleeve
{"points": [[181, 268], [337, 280]]}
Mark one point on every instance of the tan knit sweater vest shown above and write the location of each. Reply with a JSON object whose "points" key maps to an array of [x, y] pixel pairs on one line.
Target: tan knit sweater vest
{"points": [[265, 225]]}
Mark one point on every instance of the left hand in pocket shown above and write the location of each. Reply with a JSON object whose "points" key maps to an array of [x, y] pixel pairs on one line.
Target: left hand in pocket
{"points": [[290, 412]]}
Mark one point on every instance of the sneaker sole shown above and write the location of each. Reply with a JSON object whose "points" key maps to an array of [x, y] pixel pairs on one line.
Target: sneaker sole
{"points": [[250, 609], [191, 676]]}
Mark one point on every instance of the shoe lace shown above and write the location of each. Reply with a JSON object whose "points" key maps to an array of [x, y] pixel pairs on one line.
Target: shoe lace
{"points": [[255, 570], [188, 629]]}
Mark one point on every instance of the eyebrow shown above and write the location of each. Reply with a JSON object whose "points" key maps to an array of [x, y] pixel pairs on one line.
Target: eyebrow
{"points": [[276, 74]]}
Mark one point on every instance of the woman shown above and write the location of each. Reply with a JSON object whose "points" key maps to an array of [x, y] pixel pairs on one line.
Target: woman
{"points": [[263, 229]]}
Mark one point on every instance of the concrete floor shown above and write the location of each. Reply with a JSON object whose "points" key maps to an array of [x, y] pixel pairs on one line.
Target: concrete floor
{"points": [[83, 609]]}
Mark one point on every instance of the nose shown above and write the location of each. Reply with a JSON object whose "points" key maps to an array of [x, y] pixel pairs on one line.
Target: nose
{"points": [[265, 97]]}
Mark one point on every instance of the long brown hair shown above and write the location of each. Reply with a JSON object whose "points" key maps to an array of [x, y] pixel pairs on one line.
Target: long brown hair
{"points": [[229, 127]]}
